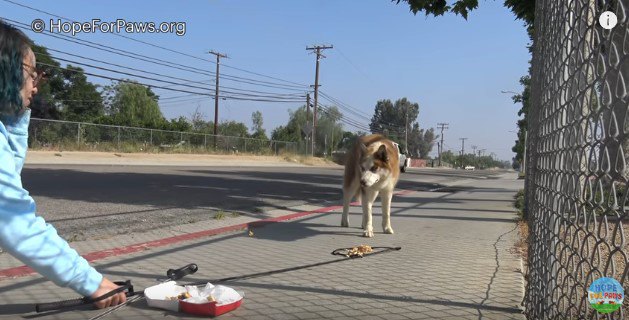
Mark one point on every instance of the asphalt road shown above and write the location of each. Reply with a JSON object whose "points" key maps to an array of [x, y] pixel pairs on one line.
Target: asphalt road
{"points": [[90, 202]]}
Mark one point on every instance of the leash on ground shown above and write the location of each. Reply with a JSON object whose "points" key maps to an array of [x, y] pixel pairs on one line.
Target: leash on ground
{"points": [[124, 286], [338, 252], [179, 273]]}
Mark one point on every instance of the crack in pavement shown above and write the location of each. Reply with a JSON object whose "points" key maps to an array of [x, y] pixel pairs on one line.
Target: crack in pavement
{"points": [[491, 281]]}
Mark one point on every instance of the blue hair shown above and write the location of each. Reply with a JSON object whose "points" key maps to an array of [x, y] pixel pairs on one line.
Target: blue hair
{"points": [[14, 45]]}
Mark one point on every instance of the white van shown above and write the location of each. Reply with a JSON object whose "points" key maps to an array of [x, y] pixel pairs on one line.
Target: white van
{"points": [[404, 161]]}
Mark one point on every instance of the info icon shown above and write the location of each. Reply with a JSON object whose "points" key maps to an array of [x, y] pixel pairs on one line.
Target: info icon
{"points": [[606, 295], [608, 20]]}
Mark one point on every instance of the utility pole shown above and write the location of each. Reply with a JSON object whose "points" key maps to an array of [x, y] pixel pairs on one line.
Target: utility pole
{"points": [[316, 91], [443, 126], [309, 136], [218, 63], [406, 130], [463, 145], [462, 149]]}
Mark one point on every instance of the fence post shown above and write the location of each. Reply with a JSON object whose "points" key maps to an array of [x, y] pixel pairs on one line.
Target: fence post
{"points": [[151, 137], [119, 138], [205, 142], [245, 145], [78, 135]]}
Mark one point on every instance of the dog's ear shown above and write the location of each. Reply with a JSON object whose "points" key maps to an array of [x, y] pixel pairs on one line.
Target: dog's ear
{"points": [[382, 154], [363, 147]]}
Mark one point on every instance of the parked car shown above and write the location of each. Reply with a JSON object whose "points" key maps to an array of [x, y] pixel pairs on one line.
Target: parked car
{"points": [[470, 168], [404, 160]]}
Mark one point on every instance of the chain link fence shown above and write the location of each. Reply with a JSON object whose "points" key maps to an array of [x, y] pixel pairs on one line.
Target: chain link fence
{"points": [[79, 136], [576, 166]]}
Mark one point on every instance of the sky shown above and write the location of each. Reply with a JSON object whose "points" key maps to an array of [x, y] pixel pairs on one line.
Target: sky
{"points": [[455, 69]]}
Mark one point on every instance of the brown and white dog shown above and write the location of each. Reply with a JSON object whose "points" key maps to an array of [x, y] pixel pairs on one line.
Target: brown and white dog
{"points": [[371, 168]]}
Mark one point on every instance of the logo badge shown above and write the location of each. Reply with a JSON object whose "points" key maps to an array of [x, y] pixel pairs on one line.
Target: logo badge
{"points": [[606, 295]]}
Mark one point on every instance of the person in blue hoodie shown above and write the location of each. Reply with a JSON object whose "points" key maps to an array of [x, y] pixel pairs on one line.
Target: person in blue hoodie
{"points": [[22, 233]]}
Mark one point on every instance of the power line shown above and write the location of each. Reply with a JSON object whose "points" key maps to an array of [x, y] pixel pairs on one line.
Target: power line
{"points": [[357, 112], [352, 64], [169, 89], [157, 46], [148, 59], [391, 129], [187, 85]]}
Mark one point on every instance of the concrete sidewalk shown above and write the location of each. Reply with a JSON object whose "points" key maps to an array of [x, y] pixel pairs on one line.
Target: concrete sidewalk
{"points": [[455, 263]]}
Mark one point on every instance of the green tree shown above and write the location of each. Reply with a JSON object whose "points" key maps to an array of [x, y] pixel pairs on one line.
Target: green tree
{"points": [[523, 9], [329, 131], [524, 99], [292, 131], [44, 104], [392, 118], [420, 141], [449, 157], [198, 124], [258, 130], [79, 98], [66, 93], [281, 133], [233, 129], [178, 124], [347, 140], [132, 104]]}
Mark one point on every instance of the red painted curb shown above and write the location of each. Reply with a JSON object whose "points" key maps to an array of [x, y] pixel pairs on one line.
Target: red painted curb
{"points": [[22, 271]]}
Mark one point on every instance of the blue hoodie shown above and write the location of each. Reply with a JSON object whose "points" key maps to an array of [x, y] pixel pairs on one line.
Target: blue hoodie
{"points": [[23, 234]]}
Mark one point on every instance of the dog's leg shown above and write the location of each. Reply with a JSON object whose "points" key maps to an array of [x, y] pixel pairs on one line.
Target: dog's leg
{"points": [[364, 223], [368, 198], [348, 194], [386, 211], [357, 198]]}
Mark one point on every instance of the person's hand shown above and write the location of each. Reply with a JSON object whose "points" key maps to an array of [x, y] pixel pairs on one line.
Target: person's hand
{"points": [[107, 286]]}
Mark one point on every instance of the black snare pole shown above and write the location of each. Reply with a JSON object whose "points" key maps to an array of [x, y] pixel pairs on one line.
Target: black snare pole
{"points": [[125, 286]]}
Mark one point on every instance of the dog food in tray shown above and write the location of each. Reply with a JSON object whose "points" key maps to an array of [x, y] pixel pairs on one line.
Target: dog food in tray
{"points": [[209, 301]]}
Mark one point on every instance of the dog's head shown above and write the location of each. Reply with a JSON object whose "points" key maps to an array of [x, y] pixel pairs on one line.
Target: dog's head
{"points": [[374, 164]]}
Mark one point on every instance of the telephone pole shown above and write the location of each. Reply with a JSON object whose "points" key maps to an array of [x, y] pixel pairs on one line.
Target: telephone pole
{"points": [[406, 131], [317, 49], [309, 135], [442, 126], [218, 63], [462, 149], [463, 145]]}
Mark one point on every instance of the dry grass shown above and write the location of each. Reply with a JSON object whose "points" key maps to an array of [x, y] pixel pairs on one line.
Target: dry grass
{"points": [[522, 244], [309, 161]]}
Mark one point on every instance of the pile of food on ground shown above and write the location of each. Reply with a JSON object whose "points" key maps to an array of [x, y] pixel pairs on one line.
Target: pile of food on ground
{"points": [[359, 251]]}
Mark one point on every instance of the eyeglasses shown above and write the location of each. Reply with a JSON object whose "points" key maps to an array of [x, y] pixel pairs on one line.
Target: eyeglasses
{"points": [[35, 74]]}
